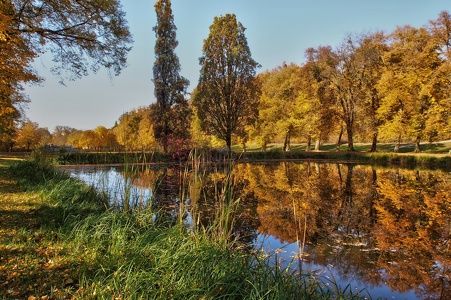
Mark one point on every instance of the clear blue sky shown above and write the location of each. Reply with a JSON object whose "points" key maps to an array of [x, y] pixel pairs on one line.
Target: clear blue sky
{"points": [[277, 31]]}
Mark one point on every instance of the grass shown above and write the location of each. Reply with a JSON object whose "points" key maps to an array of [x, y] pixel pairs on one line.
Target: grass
{"points": [[59, 240], [442, 147]]}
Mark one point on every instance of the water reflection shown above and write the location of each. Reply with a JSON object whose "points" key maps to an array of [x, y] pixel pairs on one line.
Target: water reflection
{"points": [[387, 230]]}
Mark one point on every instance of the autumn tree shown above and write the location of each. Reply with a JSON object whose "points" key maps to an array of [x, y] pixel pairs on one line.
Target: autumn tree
{"points": [[30, 135], [227, 97], [369, 58], [74, 138], [438, 124], [127, 130], [16, 55], [344, 76], [61, 134], [171, 112], [319, 70], [134, 130], [284, 108], [80, 35], [405, 103]]}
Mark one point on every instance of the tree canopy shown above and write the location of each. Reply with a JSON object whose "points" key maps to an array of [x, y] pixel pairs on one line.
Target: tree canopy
{"points": [[80, 35], [227, 93]]}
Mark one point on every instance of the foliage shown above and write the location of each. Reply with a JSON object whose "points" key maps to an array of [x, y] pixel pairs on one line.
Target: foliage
{"points": [[284, 109], [135, 130], [79, 35], [405, 104], [30, 136], [227, 94]]}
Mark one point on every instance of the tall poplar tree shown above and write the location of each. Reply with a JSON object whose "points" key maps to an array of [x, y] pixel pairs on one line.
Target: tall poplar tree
{"points": [[171, 112], [227, 94]]}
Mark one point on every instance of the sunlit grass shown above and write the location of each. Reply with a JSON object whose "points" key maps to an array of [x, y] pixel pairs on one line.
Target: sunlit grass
{"points": [[435, 147]]}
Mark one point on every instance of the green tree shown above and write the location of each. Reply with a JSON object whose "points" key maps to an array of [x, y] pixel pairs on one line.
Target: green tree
{"points": [[227, 96], [171, 112]]}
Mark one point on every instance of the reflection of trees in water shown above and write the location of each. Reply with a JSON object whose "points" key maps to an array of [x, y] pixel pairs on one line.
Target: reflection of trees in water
{"points": [[378, 225], [388, 226], [179, 190]]}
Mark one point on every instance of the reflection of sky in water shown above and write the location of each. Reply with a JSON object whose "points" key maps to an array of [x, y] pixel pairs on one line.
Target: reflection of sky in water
{"points": [[286, 252], [113, 183]]}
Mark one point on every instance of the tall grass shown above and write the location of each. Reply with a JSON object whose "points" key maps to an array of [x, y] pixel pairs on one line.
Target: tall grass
{"points": [[127, 255]]}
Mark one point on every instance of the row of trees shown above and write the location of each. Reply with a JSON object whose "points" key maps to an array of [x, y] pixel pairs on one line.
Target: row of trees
{"points": [[375, 86]]}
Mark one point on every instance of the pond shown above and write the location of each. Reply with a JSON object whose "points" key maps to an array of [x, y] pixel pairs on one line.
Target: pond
{"points": [[386, 230]]}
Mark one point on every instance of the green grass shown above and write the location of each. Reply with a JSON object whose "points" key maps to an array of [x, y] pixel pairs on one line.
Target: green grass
{"points": [[59, 240], [434, 148]]}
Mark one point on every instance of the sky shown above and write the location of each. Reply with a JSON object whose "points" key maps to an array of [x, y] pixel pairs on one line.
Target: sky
{"points": [[277, 32]]}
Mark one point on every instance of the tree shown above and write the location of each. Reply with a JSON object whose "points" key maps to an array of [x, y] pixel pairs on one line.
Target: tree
{"points": [[171, 112], [61, 134], [438, 124], [127, 131], [15, 57], [30, 135], [284, 108], [79, 34], [405, 100], [146, 133], [227, 96], [368, 56]]}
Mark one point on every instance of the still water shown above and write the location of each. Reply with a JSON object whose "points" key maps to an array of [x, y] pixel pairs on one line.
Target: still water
{"points": [[386, 230]]}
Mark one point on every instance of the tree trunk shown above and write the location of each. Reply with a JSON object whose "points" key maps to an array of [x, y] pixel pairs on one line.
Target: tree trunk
{"points": [[229, 144], [286, 144], [318, 143], [350, 138], [309, 143], [264, 146], [398, 142], [339, 139], [374, 143], [417, 145]]}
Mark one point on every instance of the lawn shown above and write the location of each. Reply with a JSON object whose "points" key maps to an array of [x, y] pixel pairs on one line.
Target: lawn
{"points": [[442, 147]]}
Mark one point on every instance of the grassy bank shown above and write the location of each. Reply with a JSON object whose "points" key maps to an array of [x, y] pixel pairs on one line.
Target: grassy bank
{"points": [[377, 158], [433, 155], [59, 240]]}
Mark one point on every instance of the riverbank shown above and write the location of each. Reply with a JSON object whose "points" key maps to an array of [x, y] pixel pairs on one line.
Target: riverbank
{"points": [[58, 240], [406, 160]]}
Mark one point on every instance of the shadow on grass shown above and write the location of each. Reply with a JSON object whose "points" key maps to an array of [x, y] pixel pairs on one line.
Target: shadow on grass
{"points": [[33, 259]]}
